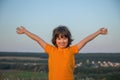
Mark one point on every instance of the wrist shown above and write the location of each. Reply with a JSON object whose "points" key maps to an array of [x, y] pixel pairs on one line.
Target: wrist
{"points": [[25, 31], [98, 32]]}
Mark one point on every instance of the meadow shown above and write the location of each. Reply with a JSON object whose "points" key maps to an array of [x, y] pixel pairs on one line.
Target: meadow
{"points": [[22, 75]]}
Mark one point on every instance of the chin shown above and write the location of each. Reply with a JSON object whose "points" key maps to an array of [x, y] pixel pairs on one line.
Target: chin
{"points": [[63, 46]]}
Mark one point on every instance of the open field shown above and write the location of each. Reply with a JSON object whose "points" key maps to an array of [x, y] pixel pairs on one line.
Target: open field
{"points": [[22, 75]]}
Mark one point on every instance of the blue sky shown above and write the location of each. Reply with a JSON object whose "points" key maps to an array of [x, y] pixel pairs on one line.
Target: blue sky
{"points": [[83, 17]]}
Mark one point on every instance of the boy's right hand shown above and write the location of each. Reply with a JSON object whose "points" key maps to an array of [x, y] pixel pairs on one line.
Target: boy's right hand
{"points": [[103, 31], [20, 30]]}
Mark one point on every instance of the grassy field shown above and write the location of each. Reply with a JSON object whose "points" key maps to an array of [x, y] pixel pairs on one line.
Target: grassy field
{"points": [[22, 75], [27, 75]]}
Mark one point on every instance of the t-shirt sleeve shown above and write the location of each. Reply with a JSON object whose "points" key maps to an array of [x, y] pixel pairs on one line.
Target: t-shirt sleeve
{"points": [[48, 48], [74, 49]]}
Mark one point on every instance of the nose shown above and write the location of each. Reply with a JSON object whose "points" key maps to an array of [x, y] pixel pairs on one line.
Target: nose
{"points": [[62, 40]]}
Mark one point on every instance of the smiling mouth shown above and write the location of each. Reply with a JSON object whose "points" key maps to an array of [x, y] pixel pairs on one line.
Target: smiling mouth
{"points": [[62, 44]]}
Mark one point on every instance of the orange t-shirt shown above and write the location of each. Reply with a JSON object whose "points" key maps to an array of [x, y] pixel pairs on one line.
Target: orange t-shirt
{"points": [[61, 62]]}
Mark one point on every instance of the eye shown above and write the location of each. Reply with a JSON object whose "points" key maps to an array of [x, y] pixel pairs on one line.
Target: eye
{"points": [[58, 38], [64, 37]]}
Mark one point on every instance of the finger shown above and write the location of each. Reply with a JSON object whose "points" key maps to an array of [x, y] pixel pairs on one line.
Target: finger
{"points": [[102, 28], [17, 32], [22, 27], [18, 28]]}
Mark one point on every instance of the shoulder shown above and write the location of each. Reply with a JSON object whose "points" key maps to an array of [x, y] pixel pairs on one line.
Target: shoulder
{"points": [[49, 47], [74, 46], [74, 49]]}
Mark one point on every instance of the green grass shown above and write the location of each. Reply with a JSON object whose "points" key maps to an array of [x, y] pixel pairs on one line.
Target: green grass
{"points": [[23, 75]]}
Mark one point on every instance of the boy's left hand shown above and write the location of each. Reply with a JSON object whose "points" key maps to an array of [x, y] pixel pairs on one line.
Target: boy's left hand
{"points": [[20, 30]]}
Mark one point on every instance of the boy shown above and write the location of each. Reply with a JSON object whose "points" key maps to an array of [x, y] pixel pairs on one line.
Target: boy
{"points": [[61, 60]]}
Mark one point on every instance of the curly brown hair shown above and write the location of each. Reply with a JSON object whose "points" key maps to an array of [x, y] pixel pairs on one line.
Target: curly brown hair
{"points": [[64, 32]]}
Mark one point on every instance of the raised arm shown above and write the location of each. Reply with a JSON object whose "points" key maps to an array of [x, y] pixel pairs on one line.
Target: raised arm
{"points": [[82, 43], [22, 30]]}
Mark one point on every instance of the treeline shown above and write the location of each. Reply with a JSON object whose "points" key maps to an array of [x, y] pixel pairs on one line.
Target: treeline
{"points": [[113, 57], [81, 57], [24, 54]]}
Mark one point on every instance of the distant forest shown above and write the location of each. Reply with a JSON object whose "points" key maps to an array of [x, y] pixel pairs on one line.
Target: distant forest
{"points": [[113, 57]]}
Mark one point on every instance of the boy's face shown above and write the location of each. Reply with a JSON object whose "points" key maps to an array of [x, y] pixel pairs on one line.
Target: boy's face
{"points": [[61, 41]]}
